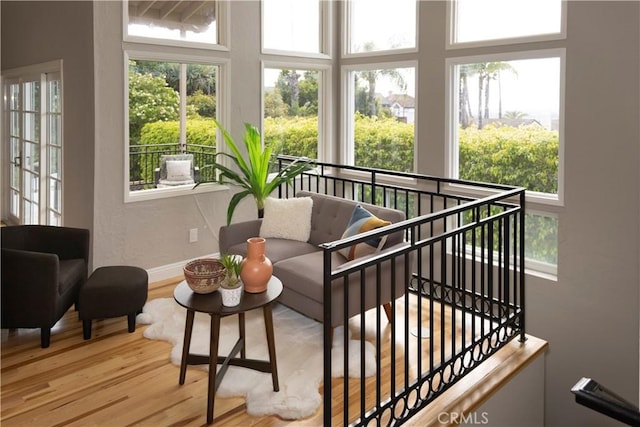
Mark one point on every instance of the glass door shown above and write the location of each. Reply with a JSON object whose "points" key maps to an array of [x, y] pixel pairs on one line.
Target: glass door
{"points": [[33, 114]]}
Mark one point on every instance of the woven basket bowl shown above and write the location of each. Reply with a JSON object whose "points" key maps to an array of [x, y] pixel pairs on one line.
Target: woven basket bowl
{"points": [[204, 275]]}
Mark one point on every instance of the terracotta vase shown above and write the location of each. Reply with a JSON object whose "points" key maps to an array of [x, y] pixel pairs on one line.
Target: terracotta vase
{"points": [[257, 268]]}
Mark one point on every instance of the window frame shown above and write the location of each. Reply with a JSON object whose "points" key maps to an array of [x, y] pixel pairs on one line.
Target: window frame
{"points": [[451, 44], [325, 146], [325, 39], [346, 38], [222, 102], [347, 101], [222, 13], [451, 103]]}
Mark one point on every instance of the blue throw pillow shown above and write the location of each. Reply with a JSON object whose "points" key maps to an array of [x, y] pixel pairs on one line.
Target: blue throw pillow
{"points": [[361, 221]]}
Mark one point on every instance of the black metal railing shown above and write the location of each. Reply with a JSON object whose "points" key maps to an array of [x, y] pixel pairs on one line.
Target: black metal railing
{"points": [[145, 159], [461, 280]]}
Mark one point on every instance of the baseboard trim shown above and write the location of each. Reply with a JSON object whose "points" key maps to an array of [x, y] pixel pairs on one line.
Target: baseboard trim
{"points": [[169, 271]]}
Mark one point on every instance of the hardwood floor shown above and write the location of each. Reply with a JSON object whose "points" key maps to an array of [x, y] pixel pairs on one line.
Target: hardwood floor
{"points": [[123, 379]]}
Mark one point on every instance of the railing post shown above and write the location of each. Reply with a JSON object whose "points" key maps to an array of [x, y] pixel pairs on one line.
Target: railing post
{"points": [[327, 338], [373, 187], [523, 336]]}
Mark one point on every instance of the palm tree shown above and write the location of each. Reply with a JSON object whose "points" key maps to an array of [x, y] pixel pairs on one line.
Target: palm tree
{"points": [[372, 76], [490, 71]]}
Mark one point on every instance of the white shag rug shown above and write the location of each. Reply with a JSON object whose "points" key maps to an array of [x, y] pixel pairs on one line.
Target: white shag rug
{"points": [[298, 352]]}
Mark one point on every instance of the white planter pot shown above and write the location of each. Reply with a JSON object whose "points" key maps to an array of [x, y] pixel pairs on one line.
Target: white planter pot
{"points": [[231, 296]]}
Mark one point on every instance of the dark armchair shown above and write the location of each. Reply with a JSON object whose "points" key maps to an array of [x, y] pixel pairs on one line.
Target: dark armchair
{"points": [[43, 268]]}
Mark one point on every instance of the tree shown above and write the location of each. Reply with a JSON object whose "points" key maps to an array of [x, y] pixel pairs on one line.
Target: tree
{"points": [[204, 105], [486, 72], [199, 76], [372, 76], [464, 107], [150, 100], [274, 106], [288, 86]]}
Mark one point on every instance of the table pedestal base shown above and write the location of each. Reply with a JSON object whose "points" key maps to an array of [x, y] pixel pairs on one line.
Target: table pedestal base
{"points": [[215, 375]]}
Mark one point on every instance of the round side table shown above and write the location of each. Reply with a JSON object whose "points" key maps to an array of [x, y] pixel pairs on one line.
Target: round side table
{"points": [[212, 305]]}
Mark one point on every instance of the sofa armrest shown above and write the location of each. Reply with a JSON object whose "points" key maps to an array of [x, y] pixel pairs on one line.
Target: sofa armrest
{"points": [[29, 287], [237, 233]]}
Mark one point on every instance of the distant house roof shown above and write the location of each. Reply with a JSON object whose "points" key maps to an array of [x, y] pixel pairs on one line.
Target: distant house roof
{"points": [[405, 101], [513, 122]]}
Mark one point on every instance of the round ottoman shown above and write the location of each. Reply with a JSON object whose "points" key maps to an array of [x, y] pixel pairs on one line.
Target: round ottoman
{"points": [[113, 291]]}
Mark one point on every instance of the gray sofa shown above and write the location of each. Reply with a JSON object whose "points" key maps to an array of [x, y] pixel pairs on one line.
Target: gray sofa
{"points": [[299, 265]]}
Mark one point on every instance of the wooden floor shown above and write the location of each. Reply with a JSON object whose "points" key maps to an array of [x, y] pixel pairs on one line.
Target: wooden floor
{"points": [[123, 379]]}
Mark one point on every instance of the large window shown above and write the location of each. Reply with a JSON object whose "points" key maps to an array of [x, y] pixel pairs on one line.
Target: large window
{"points": [[380, 25], [506, 120], [295, 93], [505, 110], [294, 26], [173, 97], [172, 106], [380, 117], [292, 101], [505, 21], [187, 21], [505, 127], [33, 144]]}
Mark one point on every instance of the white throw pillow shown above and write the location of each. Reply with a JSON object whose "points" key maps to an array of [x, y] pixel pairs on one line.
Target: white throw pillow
{"points": [[178, 170], [287, 218]]}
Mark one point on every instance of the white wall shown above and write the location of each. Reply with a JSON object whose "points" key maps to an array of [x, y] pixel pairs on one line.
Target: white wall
{"points": [[589, 315]]}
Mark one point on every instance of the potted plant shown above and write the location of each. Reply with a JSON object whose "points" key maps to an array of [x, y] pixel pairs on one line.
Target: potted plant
{"points": [[231, 286], [252, 172]]}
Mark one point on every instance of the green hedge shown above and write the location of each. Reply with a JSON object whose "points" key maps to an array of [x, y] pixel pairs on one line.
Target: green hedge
{"points": [[199, 132], [384, 143], [293, 136], [526, 156]]}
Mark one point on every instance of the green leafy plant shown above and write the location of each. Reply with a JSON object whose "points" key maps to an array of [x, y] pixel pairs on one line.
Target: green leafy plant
{"points": [[252, 172], [233, 265]]}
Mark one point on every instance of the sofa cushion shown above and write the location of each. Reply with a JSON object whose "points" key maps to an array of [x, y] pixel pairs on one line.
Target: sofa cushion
{"points": [[330, 216], [287, 218], [303, 278], [362, 221], [304, 273], [277, 249]]}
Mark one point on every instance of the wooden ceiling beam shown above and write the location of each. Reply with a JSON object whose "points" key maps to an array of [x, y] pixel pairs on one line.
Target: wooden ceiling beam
{"points": [[192, 9]]}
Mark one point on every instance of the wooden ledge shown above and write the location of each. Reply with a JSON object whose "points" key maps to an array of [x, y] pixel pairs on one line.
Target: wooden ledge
{"points": [[482, 382]]}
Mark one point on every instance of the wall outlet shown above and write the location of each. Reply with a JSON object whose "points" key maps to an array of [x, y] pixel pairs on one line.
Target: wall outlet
{"points": [[193, 235]]}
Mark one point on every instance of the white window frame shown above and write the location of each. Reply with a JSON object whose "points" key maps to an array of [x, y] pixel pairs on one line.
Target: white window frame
{"points": [[346, 36], [325, 28], [222, 102], [452, 44], [222, 18], [347, 148], [325, 145], [451, 102]]}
